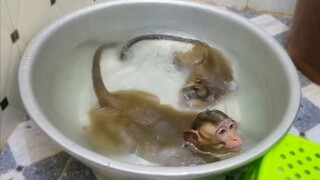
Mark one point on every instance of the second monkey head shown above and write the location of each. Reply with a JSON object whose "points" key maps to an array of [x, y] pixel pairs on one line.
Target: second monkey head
{"points": [[195, 95]]}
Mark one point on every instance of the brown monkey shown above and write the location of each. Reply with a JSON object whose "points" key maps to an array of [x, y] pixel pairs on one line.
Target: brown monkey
{"points": [[211, 75], [133, 121], [207, 122]]}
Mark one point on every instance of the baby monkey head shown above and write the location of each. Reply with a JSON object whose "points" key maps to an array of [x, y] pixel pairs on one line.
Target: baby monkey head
{"points": [[213, 131], [195, 95]]}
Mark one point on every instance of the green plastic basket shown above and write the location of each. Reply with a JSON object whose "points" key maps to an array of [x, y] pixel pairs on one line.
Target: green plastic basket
{"points": [[293, 158]]}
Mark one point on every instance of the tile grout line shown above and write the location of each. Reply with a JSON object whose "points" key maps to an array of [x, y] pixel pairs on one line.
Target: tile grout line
{"points": [[10, 15], [247, 4], [65, 168], [13, 26]]}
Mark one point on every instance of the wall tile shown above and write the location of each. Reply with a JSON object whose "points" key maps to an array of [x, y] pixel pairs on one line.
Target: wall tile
{"points": [[12, 87], [9, 55], [100, 1], [26, 18], [239, 3], [29, 17], [283, 6], [9, 51], [63, 7]]}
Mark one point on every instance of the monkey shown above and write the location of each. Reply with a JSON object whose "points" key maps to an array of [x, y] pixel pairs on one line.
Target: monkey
{"points": [[211, 75], [134, 122]]}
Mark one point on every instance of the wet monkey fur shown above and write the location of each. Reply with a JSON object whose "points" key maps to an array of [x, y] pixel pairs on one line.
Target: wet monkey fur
{"points": [[211, 75], [134, 122]]}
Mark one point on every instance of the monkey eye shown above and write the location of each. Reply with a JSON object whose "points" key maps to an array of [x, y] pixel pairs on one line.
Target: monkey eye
{"points": [[222, 131], [231, 126]]}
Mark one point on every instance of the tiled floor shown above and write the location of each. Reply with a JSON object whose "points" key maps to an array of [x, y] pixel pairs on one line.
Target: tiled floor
{"points": [[31, 155]]}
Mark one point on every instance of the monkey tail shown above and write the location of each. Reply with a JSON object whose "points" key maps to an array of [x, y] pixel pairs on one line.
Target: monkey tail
{"points": [[101, 91], [154, 37]]}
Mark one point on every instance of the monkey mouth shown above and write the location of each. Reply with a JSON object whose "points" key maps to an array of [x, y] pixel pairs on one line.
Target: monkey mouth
{"points": [[235, 148]]}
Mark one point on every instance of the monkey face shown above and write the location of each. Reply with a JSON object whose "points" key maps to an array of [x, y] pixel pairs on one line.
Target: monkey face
{"points": [[227, 137], [221, 138], [195, 95]]}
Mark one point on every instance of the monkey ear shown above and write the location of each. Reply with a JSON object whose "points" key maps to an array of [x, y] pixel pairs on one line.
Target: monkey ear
{"points": [[191, 136]]}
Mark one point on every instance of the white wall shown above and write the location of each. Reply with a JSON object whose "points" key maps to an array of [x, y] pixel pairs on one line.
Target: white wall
{"points": [[29, 17], [277, 6]]}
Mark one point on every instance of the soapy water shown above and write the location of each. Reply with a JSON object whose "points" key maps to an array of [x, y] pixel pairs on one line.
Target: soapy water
{"points": [[149, 68], [146, 69]]}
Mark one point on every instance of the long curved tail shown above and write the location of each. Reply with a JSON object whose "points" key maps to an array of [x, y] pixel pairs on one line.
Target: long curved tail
{"points": [[101, 91], [154, 37]]}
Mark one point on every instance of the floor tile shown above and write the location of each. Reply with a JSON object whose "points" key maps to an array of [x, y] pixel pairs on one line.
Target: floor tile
{"points": [[308, 116], [283, 6], [312, 93], [282, 38], [314, 134], [304, 81], [287, 20], [49, 168], [294, 131], [11, 118], [269, 24], [29, 144], [7, 161], [12, 175], [77, 170], [245, 12]]}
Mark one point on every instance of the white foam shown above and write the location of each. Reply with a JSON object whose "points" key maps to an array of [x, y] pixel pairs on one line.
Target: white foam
{"points": [[150, 69]]}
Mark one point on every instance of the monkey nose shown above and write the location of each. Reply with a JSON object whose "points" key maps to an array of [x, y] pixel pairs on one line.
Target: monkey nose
{"points": [[237, 139], [236, 136]]}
